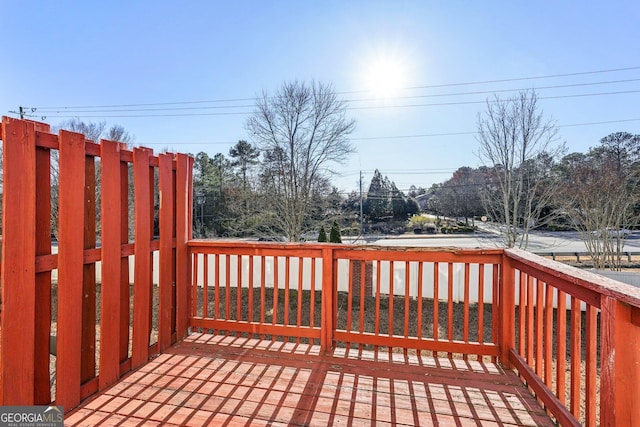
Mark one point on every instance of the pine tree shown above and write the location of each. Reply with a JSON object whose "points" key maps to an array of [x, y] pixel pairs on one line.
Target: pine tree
{"points": [[322, 235], [334, 234]]}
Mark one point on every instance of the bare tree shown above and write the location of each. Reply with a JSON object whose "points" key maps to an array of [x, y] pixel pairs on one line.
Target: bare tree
{"points": [[301, 130], [600, 196], [520, 145]]}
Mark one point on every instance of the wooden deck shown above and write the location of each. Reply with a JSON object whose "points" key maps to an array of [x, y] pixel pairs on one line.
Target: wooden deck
{"points": [[217, 380]]}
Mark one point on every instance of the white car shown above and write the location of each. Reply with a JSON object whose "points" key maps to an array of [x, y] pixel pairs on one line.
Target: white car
{"points": [[620, 233]]}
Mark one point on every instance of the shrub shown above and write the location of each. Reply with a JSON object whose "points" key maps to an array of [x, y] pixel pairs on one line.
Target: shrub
{"points": [[334, 234]]}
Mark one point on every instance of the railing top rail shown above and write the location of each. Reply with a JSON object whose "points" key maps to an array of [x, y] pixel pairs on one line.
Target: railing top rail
{"points": [[194, 243], [603, 285]]}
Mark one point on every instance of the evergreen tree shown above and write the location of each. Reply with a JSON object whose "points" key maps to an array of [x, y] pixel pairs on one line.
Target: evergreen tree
{"points": [[322, 235], [334, 234]]}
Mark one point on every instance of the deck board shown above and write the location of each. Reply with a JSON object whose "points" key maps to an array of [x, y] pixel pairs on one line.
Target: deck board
{"points": [[216, 380]]}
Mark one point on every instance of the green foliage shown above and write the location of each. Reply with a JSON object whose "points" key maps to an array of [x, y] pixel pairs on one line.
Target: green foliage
{"points": [[322, 235], [334, 234]]}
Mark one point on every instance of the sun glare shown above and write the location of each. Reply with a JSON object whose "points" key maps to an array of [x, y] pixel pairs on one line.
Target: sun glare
{"points": [[384, 77]]}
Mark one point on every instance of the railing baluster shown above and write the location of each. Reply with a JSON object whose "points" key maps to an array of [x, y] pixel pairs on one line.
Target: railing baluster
{"points": [[548, 336], [363, 267], [530, 331], [250, 291], [299, 309], [407, 291], [575, 356], [436, 302], [227, 290], [561, 343], [591, 362], [539, 326], [205, 287], [377, 321], [450, 304], [522, 309], [465, 315], [480, 305], [239, 290], [350, 269]]}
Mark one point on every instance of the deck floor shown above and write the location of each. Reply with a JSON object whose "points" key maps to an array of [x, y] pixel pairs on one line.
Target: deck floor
{"points": [[217, 380]]}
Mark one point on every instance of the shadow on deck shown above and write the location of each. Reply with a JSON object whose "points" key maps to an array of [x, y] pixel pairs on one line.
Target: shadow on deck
{"points": [[217, 380]]}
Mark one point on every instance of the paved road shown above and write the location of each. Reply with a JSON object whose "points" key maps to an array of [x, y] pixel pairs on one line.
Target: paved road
{"points": [[539, 241]]}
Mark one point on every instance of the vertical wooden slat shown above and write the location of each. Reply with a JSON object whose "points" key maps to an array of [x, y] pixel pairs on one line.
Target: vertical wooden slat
{"points": [[70, 267], [575, 356], [465, 316], [495, 312], [193, 310], [377, 320], [250, 318], [539, 325], [522, 309], [591, 362], [110, 293], [363, 286], [227, 289], [548, 336], [313, 292], [166, 221], [480, 306], [407, 291], [299, 311], [561, 343], [205, 286], [276, 279], [18, 250], [327, 316], [436, 300], [287, 277], [216, 284], [507, 305], [620, 370], [530, 331], [391, 294], [42, 388], [420, 296], [239, 288], [263, 290], [142, 271], [183, 234], [350, 299], [88, 364], [124, 319], [450, 302]]}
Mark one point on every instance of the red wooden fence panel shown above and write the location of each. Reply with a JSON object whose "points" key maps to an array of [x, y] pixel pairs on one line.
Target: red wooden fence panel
{"points": [[18, 261], [27, 261], [70, 267], [111, 326]]}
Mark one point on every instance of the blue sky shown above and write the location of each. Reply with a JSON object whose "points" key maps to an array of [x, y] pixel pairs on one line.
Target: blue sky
{"points": [[68, 54]]}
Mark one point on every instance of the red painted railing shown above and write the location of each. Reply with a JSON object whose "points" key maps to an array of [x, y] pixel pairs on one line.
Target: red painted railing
{"points": [[523, 309], [572, 336], [35, 278]]}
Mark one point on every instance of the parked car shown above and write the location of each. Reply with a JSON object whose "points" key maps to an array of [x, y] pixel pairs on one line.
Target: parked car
{"points": [[619, 233]]}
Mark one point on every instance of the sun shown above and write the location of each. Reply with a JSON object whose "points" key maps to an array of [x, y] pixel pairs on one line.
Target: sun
{"points": [[384, 76]]}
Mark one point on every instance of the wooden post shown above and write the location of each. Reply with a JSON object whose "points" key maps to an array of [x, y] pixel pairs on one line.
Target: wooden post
{"points": [[43, 280], [18, 263], [70, 267], [110, 320], [620, 359], [165, 172], [88, 351], [506, 302], [142, 272], [327, 315], [124, 261], [183, 234]]}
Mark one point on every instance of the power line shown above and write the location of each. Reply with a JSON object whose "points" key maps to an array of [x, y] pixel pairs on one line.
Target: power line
{"points": [[120, 110], [387, 137], [611, 70]]}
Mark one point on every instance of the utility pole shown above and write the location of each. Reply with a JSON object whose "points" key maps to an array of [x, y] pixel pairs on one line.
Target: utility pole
{"points": [[361, 229], [21, 110]]}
